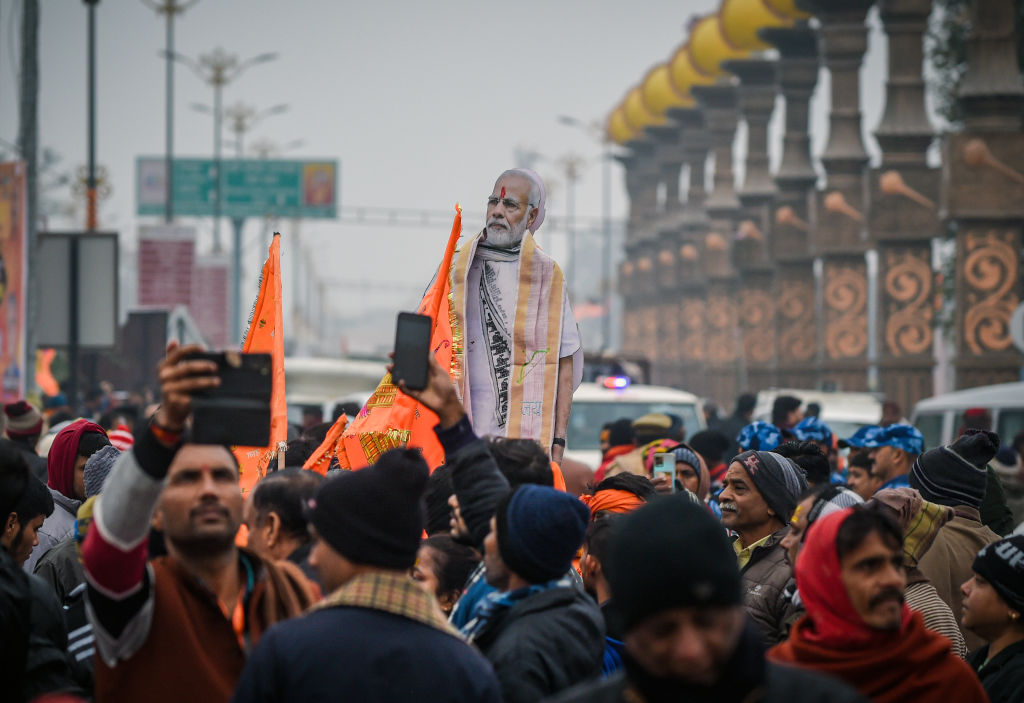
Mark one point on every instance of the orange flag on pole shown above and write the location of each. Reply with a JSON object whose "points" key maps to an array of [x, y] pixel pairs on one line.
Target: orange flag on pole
{"points": [[266, 335], [390, 418]]}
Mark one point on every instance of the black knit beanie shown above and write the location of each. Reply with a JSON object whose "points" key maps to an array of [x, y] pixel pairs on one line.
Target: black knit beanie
{"points": [[620, 433], [957, 474], [375, 516], [539, 531], [671, 553], [1002, 564]]}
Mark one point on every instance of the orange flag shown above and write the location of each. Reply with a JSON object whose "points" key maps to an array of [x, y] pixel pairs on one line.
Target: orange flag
{"points": [[320, 460], [266, 335], [390, 418]]}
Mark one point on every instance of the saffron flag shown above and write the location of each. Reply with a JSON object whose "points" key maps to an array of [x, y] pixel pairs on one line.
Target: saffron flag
{"points": [[390, 418], [266, 335]]}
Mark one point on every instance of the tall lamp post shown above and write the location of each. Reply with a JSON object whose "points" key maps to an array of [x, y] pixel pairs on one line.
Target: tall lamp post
{"points": [[169, 8], [219, 68], [595, 132], [241, 119]]}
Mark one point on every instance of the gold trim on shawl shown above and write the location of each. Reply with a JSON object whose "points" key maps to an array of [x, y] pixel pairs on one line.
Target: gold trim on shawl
{"points": [[514, 427], [555, 306], [457, 318]]}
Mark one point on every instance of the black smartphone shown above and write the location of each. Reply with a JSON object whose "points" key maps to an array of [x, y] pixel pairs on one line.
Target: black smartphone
{"points": [[237, 412], [412, 350]]}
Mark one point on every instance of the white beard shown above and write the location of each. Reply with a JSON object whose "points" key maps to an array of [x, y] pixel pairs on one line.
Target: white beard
{"points": [[502, 238]]}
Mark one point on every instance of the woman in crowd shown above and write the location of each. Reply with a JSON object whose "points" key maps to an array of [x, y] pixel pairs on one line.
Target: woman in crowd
{"points": [[442, 567]]}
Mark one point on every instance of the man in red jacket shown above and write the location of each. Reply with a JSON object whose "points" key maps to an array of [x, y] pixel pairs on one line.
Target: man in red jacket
{"points": [[858, 628]]}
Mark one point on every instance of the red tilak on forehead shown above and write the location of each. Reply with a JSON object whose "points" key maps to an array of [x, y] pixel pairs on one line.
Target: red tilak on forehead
{"points": [[503, 192]]}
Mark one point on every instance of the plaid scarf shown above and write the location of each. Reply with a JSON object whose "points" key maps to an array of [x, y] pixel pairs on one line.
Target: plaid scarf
{"points": [[392, 593], [495, 604]]}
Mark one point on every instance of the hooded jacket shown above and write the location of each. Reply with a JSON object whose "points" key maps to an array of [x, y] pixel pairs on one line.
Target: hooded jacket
{"points": [[909, 664], [60, 464]]}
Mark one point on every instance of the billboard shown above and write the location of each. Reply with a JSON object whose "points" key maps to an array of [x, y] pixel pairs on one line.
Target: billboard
{"points": [[249, 187], [12, 281]]}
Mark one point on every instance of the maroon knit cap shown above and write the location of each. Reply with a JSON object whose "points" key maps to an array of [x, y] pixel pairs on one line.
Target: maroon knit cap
{"points": [[23, 420]]}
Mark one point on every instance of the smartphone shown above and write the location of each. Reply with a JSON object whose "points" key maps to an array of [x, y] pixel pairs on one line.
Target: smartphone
{"points": [[665, 463], [237, 412], [412, 350]]}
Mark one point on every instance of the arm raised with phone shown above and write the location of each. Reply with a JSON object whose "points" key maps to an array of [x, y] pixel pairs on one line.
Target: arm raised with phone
{"points": [[115, 550], [479, 484]]}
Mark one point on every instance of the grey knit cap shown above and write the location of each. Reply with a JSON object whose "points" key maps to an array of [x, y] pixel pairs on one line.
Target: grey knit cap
{"points": [[780, 481]]}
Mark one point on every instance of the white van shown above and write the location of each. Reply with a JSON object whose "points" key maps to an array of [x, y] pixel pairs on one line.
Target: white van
{"points": [[939, 417], [317, 383], [595, 404], [844, 413]]}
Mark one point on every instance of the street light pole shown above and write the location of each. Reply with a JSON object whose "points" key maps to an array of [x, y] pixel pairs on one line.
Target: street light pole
{"points": [[169, 123], [594, 130], [169, 8], [243, 118], [219, 68], [606, 248], [90, 208]]}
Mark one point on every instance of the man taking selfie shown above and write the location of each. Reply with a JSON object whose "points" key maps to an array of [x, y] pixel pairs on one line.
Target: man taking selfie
{"points": [[178, 627]]}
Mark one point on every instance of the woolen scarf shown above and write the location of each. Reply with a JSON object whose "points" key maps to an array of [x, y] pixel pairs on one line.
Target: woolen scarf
{"points": [[909, 664]]}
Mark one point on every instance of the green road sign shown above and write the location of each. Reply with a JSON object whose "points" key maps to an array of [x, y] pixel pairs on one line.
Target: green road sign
{"points": [[249, 187]]}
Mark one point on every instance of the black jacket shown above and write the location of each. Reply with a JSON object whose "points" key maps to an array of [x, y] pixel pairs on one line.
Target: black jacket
{"points": [[478, 483], [748, 676], [61, 568], [362, 655], [1003, 677], [15, 611], [48, 669], [544, 644]]}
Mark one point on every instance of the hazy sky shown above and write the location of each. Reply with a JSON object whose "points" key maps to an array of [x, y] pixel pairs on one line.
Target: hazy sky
{"points": [[424, 104]]}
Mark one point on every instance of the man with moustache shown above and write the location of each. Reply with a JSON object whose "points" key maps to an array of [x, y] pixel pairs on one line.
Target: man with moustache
{"points": [[761, 491], [518, 354], [178, 627], [858, 627]]}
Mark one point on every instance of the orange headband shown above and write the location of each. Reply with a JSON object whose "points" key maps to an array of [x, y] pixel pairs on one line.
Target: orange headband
{"points": [[612, 500]]}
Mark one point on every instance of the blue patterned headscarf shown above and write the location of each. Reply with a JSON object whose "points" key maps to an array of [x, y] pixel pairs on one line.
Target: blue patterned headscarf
{"points": [[812, 429], [905, 437], [759, 436]]}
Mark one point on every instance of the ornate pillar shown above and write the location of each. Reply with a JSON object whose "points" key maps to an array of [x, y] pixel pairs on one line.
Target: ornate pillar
{"points": [[789, 244], [837, 227], [693, 227], [904, 213], [670, 157], [648, 308], [721, 116], [756, 310], [984, 196], [636, 272]]}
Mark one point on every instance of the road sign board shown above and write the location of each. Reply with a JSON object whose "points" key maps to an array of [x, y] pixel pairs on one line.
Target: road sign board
{"points": [[249, 187]]}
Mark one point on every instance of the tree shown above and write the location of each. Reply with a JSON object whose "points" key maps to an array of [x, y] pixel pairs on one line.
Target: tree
{"points": [[946, 50]]}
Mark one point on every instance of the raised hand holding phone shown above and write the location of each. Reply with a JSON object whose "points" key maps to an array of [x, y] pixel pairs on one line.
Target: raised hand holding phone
{"points": [[439, 394]]}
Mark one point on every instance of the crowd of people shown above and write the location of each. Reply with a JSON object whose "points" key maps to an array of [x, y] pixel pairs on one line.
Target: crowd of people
{"points": [[773, 565]]}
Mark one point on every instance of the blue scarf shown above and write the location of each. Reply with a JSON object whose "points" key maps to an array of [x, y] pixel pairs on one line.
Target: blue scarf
{"points": [[494, 604]]}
